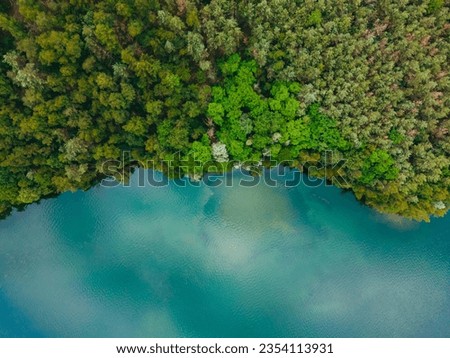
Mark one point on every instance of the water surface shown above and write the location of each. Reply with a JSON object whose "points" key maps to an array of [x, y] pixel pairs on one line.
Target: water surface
{"points": [[221, 261]]}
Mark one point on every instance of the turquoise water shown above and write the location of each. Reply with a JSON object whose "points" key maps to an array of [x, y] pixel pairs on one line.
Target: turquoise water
{"points": [[221, 262]]}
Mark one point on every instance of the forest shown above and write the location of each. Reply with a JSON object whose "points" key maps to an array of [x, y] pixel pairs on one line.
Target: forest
{"points": [[226, 81]]}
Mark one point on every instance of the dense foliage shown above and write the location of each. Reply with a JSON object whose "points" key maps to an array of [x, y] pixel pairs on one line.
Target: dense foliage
{"points": [[82, 81]]}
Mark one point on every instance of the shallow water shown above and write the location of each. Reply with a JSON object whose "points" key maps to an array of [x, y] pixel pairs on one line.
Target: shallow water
{"points": [[204, 261]]}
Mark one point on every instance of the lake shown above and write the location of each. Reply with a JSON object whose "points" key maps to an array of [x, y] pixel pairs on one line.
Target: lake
{"points": [[221, 261]]}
